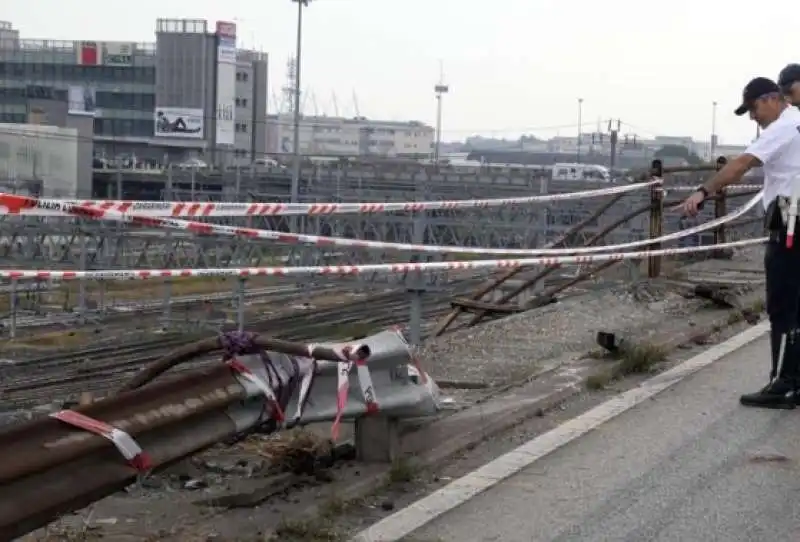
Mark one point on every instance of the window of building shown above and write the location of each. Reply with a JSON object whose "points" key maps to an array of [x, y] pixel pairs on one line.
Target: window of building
{"points": [[144, 128], [244, 102]]}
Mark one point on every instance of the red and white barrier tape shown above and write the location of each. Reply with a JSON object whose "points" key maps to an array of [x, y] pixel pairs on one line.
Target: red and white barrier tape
{"points": [[352, 270], [124, 443], [347, 360], [323, 241], [264, 387], [13, 204]]}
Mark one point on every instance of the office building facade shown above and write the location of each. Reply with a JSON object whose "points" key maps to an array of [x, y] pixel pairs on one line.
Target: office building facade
{"points": [[340, 136], [190, 94]]}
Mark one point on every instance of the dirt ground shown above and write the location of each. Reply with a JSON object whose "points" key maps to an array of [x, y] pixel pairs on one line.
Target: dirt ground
{"points": [[263, 489], [258, 490]]}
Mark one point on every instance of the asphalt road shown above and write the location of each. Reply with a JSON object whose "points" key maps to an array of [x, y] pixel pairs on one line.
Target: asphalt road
{"points": [[688, 465]]}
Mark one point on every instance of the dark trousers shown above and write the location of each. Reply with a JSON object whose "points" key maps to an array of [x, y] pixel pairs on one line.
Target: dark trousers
{"points": [[782, 266]]}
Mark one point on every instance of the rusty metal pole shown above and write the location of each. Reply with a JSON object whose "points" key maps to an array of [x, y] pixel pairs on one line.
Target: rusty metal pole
{"points": [[656, 218], [720, 210]]}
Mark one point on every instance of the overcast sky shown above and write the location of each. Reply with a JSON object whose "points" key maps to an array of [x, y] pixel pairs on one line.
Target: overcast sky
{"points": [[516, 66]]}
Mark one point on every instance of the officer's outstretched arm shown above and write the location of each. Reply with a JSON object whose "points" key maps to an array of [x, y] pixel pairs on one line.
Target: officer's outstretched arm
{"points": [[732, 172], [772, 142]]}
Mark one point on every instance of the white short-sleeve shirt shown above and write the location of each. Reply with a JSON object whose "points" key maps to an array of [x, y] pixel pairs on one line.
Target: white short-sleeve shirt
{"points": [[778, 149]]}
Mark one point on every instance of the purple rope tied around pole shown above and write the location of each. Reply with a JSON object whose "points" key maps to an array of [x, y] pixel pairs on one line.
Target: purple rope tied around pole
{"points": [[238, 343], [242, 343]]}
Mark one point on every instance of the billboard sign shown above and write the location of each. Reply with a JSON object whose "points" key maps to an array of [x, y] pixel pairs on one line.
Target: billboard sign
{"points": [[179, 123], [88, 53], [118, 53], [226, 83], [82, 100]]}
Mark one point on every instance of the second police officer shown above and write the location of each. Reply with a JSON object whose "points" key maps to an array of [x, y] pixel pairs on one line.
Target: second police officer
{"points": [[789, 81]]}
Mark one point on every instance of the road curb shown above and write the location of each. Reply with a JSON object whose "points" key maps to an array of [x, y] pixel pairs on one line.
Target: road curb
{"points": [[420, 513]]}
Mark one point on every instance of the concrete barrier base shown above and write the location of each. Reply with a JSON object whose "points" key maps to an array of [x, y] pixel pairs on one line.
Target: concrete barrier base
{"points": [[377, 439]]}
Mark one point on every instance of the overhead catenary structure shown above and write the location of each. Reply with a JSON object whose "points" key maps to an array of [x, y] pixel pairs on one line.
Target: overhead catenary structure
{"points": [[440, 89]]}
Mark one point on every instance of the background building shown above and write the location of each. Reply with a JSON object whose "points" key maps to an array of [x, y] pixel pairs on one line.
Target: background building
{"points": [[40, 159], [191, 94], [339, 136]]}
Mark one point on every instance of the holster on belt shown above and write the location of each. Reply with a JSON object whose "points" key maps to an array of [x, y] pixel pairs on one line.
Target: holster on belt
{"points": [[777, 215], [776, 219]]}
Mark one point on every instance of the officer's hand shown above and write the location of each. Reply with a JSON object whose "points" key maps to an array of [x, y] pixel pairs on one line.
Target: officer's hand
{"points": [[691, 206]]}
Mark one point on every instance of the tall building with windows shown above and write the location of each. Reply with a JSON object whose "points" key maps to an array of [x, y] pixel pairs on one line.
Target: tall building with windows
{"points": [[340, 136], [190, 94]]}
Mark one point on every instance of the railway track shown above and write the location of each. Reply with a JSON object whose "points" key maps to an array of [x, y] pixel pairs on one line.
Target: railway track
{"points": [[33, 382], [28, 383], [153, 309]]}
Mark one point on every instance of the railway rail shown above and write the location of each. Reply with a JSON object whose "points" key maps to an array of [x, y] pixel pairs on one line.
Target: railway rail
{"points": [[32, 382], [153, 309], [36, 381]]}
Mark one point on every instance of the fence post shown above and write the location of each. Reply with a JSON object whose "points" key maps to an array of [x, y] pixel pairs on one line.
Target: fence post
{"points": [[656, 217], [720, 210], [416, 281], [12, 295], [241, 287]]}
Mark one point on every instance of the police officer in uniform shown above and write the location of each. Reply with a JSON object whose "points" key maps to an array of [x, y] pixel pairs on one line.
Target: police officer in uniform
{"points": [[789, 81], [777, 150]]}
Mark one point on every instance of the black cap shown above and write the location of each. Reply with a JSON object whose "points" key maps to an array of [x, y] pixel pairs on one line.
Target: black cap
{"points": [[755, 89], [788, 76]]}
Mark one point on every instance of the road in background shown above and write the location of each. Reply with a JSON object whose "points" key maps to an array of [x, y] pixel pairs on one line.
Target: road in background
{"points": [[688, 465]]}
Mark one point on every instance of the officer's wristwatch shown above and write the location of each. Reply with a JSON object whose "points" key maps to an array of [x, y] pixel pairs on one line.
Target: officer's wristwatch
{"points": [[702, 189]]}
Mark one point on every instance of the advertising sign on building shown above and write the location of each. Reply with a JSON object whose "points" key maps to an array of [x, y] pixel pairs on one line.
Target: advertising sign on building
{"points": [[179, 123], [82, 100], [88, 53], [226, 83], [118, 54]]}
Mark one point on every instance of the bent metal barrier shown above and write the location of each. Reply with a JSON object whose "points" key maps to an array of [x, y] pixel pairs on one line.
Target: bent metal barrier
{"points": [[262, 385]]}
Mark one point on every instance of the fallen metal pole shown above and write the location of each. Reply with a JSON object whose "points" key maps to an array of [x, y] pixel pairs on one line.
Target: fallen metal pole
{"points": [[207, 346]]}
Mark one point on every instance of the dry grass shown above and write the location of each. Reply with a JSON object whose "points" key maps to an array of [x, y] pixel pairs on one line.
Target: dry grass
{"points": [[154, 288], [50, 340], [306, 530], [635, 359], [297, 450], [402, 471]]}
